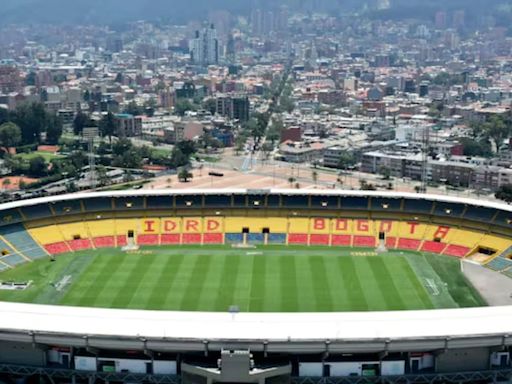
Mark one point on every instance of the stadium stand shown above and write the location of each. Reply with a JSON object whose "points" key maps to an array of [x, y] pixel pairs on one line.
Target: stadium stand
{"points": [[456, 250], [22, 241], [276, 238], [79, 244], [170, 239], [319, 239], [213, 238], [499, 264], [104, 242], [432, 246], [57, 248], [36, 212], [14, 259], [148, 239], [254, 238]]}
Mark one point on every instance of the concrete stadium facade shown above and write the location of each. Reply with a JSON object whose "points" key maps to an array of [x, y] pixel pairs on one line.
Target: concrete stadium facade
{"points": [[67, 344]]}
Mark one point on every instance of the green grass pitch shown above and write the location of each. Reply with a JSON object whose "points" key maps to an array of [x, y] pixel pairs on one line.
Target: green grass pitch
{"points": [[264, 279]]}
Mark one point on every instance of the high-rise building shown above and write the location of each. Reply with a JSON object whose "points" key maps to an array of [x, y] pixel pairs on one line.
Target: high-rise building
{"points": [[440, 20], [459, 19], [235, 107], [204, 48], [10, 79]]}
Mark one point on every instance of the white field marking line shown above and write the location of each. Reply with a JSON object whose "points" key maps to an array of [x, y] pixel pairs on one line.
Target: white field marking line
{"points": [[62, 283], [432, 287]]}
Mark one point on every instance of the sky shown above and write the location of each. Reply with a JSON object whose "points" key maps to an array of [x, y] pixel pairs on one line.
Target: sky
{"points": [[118, 11]]}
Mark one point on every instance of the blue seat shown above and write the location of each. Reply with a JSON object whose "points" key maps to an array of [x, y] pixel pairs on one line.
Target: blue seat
{"points": [[499, 264], [22, 241], [234, 238], [255, 238], [276, 238], [13, 260]]}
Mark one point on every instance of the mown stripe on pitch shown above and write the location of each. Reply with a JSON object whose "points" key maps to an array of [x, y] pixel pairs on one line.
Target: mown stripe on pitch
{"points": [[164, 282], [372, 290], [243, 282], [352, 284], [418, 288], [226, 293], [211, 284], [386, 282], [257, 290], [98, 282], [306, 291], [180, 282], [272, 282], [289, 288], [87, 279], [140, 283], [404, 286], [143, 292], [190, 299], [119, 276], [322, 289], [131, 283]]}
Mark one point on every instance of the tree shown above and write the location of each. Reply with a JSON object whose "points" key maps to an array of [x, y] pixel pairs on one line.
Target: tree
{"points": [[37, 166], [386, 173], [210, 105], [497, 130], [346, 160], [365, 186], [32, 119], [183, 106], [10, 135], [291, 180], [150, 106], [6, 182], [314, 176], [71, 187], [101, 173], [504, 193], [108, 126], [239, 144], [472, 147], [79, 123], [178, 158], [184, 176], [54, 130], [267, 149], [188, 147]]}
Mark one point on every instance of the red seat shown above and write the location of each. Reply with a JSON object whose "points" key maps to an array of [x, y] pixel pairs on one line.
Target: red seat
{"points": [[121, 240], [213, 238], [411, 244], [147, 239], [456, 250], [341, 240], [191, 238], [79, 244], [57, 248], [170, 238], [433, 247], [104, 242], [364, 241], [391, 242], [298, 238], [318, 239]]}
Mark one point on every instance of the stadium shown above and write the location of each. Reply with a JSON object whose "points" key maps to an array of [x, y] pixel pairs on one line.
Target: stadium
{"points": [[255, 286]]}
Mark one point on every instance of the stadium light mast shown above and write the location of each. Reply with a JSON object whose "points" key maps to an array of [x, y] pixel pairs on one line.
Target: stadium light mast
{"points": [[89, 133], [424, 158]]}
